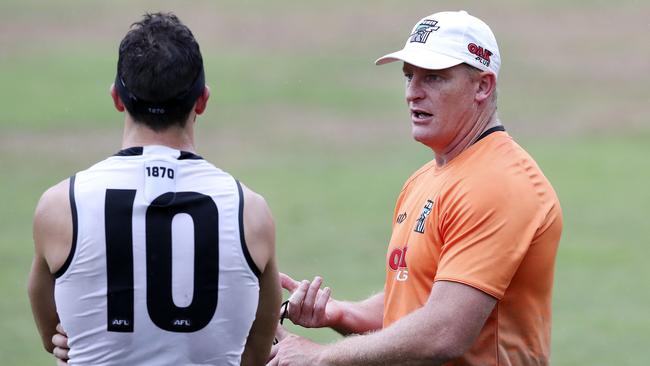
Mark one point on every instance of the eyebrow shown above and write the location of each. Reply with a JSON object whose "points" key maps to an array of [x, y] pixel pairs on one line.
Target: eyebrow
{"points": [[410, 69]]}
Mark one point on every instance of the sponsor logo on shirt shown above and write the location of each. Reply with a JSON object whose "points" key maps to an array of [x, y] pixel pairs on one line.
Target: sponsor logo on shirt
{"points": [[401, 217], [419, 225], [397, 263]]}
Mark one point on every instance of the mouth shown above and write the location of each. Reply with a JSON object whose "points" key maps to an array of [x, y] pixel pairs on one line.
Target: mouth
{"points": [[418, 115]]}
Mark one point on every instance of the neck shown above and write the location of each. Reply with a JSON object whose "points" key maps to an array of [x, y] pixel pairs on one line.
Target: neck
{"points": [[486, 119], [138, 134]]}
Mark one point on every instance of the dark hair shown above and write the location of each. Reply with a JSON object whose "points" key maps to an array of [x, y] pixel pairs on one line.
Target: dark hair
{"points": [[159, 71]]}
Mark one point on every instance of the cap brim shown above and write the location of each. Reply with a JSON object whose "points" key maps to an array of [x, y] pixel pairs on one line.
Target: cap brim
{"points": [[425, 59]]}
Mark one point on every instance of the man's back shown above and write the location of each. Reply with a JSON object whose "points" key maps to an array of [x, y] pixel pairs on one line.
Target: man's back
{"points": [[159, 272]]}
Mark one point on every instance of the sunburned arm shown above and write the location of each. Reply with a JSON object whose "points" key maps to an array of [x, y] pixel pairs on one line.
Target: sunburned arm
{"points": [[52, 242], [361, 317], [259, 231], [443, 329]]}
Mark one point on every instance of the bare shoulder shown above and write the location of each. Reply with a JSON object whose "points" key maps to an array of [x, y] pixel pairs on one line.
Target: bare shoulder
{"points": [[255, 204], [53, 225], [259, 228]]}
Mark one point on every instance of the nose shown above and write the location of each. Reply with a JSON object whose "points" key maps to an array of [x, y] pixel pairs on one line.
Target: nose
{"points": [[414, 90]]}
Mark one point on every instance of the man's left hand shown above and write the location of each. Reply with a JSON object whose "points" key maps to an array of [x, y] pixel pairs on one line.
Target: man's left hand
{"points": [[293, 350]]}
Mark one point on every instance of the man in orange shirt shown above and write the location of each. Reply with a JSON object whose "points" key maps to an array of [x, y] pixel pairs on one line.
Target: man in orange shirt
{"points": [[469, 267]]}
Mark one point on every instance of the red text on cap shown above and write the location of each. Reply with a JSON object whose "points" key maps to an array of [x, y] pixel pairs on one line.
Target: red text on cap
{"points": [[482, 53]]}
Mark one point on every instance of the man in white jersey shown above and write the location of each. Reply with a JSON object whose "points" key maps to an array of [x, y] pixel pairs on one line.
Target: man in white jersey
{"points": [[154, 256]]}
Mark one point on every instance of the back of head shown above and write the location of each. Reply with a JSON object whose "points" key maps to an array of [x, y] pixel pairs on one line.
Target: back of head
{"points": [[159, 71]]}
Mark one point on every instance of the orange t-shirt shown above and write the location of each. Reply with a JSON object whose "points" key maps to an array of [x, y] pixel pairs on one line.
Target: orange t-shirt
{"points": [[488, 219]]}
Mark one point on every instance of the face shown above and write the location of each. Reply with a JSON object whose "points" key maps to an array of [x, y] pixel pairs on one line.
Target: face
{"points": [[442, 105]]}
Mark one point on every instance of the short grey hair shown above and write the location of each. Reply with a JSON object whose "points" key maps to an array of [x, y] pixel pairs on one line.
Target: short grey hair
{"points": [[473, 73]]}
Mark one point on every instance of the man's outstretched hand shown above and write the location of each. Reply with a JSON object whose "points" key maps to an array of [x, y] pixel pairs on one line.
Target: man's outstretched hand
{"points": [[309, 305]]}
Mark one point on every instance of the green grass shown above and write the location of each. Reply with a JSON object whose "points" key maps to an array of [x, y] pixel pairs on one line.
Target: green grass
{"points": [[601, 269], [322, 134], [54, 89]]}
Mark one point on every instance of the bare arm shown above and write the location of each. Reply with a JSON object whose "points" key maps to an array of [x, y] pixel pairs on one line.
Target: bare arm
{"points": [[52, 242], [361, 317], [313, 307], [259, 231], [443, 329], [41, 296]]}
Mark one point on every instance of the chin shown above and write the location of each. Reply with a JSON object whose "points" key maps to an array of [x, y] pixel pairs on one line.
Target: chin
{"points": [[421, 139], [426, 138], [420, 134]]}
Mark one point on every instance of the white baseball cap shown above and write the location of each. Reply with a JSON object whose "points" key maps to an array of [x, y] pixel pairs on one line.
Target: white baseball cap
{"points": [[446, 39]]}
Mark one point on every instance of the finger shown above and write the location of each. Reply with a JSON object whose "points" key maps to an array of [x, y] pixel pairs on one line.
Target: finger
{"points": [[296, 300], [274, 351], [281, 333], [310, 298], [274, 360], [60, 353], [59, 328], [321, 303], [60, 340], [288, 283]]}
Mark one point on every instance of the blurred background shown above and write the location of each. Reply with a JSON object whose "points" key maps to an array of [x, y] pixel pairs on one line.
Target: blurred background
{"points": [[301, 115]]}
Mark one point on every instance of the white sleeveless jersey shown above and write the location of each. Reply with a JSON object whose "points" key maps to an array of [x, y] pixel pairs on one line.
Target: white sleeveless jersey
{"points": [[159, 272]]}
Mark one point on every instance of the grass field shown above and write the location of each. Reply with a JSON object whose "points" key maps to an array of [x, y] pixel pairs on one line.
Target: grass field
{"points": [[300, 114]]}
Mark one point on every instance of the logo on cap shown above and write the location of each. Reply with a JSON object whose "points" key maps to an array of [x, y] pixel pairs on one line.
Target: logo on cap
{"points": [[423, 30], [482, 54]]}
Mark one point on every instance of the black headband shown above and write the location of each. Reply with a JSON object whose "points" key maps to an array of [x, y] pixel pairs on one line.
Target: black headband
{"points": [[183, 100]]}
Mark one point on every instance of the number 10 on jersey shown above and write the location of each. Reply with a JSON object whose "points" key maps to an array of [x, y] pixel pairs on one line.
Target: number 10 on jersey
{"points": [[158, 242]]}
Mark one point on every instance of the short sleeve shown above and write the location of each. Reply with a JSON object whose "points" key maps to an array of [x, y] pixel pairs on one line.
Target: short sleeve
{"points": [[487, 225]]}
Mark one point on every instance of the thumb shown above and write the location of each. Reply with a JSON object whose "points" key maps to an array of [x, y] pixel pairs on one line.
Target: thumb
{"points": [[281, 333], [288, 283]]}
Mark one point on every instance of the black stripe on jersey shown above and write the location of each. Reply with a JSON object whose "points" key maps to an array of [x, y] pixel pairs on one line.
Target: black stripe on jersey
{"points": [[242, 239], [489, 131], [73, 248], [186, 155], [131, 151]]}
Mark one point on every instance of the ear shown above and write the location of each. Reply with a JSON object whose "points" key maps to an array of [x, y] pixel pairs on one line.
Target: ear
{"points": [[117, 102], [202, 101], [487, 84]]}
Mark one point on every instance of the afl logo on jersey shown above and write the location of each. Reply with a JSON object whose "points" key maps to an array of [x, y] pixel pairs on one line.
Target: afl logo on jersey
{"points": [[121, 323], [182, 323]]}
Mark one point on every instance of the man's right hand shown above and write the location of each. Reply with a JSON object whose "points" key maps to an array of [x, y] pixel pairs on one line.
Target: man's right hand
{"points": [[309, 305]]}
